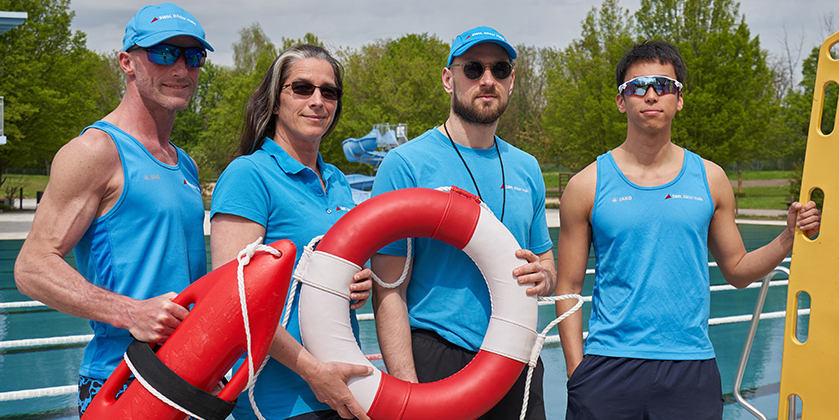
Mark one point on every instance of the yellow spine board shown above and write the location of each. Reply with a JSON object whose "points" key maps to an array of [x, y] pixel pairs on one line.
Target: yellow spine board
{"points": [[811, 369]]}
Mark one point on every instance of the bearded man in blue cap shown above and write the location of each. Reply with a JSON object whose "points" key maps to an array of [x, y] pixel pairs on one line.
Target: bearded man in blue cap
{"points": [[433, 324], [128, 203]]}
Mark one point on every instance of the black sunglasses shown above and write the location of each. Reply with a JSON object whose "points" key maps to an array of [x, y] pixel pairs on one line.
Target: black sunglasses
{"points": [[169, 54], [475, 69], [331, 93]]}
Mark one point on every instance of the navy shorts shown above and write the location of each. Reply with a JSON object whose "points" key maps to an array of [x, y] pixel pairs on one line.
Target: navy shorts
{"points": [[89, 387], [618, 388], [435, 359]]}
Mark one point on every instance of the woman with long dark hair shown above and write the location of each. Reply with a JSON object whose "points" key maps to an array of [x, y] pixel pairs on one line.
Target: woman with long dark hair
{"points": [[280, 188]]}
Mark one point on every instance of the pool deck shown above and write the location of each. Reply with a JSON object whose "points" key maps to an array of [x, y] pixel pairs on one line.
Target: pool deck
{"points": [[16, 224]]}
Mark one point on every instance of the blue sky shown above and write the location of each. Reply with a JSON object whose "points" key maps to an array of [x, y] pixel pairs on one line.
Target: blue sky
{"points": [[352, 23]]}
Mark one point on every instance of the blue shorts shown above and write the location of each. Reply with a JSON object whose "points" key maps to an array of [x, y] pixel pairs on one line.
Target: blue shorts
{"points": [[618, 388]]}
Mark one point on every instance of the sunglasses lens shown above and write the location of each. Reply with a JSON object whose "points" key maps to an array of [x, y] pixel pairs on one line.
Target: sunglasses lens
{"points": [[473, 70], [502, 70], [303, 89], [163, 54], [195, 57], [308, 89], [168, 55], [329, 93], [661, 85]]}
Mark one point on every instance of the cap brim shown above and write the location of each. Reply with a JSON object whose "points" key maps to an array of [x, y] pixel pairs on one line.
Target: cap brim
{"points": [[159, 37]]}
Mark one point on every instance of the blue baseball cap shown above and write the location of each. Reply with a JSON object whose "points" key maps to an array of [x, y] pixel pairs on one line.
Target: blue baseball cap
{"points": [[475, 36], [157, 23]]}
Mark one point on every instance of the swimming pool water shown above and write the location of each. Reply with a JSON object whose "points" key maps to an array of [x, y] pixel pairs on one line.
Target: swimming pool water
{"points": [[52, 367]]}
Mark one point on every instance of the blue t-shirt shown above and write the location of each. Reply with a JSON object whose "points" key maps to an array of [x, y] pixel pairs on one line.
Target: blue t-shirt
{"points": [[447, 293], [273, 189], [151, 242], [651, 297]]}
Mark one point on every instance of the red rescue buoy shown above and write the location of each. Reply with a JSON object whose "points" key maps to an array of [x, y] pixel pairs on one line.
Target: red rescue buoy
{"points": [[211, 338], [458, 219]]}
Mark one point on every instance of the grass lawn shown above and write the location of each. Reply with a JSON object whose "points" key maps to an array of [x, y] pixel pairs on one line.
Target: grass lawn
{"points": [[31, 185], [760, 175], [771, 198], [754, 197]]}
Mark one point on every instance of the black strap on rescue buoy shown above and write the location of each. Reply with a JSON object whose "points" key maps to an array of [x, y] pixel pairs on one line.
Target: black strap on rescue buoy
{"points": [[149, 368]]}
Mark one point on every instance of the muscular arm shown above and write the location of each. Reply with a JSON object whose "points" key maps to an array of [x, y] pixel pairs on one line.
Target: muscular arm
{"points": [[738, 267], [573, 251], [230, 234], [86, 180], [392, 326]]}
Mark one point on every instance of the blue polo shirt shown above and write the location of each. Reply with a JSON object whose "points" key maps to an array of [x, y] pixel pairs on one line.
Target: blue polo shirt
{"points": [[273, 189]]}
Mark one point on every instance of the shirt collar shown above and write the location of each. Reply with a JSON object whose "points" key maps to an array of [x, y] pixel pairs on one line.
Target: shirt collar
{"points": [[289, 164]]}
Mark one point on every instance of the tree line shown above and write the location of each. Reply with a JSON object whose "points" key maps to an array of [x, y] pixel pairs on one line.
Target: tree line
{"points": [[739, 107]]}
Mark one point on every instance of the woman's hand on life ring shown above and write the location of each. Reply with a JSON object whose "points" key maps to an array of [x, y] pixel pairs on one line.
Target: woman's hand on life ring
{"points": [[329, 383], [360, 288], [534, 272]]}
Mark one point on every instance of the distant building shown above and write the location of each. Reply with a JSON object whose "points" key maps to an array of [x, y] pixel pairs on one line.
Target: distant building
{"points": [[10, 20]]}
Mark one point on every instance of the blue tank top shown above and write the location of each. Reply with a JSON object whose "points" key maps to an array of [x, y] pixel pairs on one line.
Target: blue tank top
{"points": [[149, 243], [651, 297]]}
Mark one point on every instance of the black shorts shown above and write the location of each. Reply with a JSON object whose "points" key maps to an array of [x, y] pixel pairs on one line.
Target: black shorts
{"points": [[318, 415], [619, 388], [436, 359]]}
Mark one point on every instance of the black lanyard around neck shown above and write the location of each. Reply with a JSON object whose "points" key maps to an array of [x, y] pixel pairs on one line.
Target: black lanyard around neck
{"points": [[503, 179]]}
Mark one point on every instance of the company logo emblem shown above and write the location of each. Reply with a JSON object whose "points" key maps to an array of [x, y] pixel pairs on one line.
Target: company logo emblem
{"points": [[683, 197], [192, 187]]}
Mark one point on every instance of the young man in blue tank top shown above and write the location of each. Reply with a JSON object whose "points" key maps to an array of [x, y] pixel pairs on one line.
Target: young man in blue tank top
{"points": [[432, 325], [652, 210], [127, 202]]}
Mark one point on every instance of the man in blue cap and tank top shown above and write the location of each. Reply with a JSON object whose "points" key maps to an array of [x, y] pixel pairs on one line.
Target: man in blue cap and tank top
{"points": [[127, 202], [432, 325], [652, 211]]}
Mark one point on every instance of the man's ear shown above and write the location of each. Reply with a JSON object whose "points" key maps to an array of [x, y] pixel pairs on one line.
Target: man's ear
{"points": [[619, 100], [447, 76]]}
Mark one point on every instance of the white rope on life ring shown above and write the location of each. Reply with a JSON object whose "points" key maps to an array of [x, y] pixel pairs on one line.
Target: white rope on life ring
{"points": [[458, 219]]}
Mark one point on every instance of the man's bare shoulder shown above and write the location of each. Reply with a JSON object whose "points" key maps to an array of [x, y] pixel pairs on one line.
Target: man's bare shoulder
{"points": [[91, 157], [584, 180]]}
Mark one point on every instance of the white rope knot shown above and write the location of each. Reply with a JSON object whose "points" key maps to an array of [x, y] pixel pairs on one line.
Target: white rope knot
{"points": [[244, 258]]}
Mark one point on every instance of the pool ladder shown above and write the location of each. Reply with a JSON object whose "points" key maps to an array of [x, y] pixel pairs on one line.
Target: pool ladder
{"points": [[747, 348]]}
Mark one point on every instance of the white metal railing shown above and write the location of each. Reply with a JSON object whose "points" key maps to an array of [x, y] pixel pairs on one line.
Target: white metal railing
{"points": [[39, 343]]}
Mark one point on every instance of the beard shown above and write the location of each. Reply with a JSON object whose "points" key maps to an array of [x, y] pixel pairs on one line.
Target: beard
{"points": [[482, 113]]}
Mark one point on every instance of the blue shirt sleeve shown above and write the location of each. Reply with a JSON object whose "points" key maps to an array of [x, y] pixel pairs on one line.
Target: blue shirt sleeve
{"points": [[241, 191], [540, 238], [393, 174]]}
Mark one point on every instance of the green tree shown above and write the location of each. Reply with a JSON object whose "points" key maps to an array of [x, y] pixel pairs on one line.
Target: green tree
{"points": [[521, 122], [580, 116], [730, 112], [219, 103], [390, 81], [797, 113], [50, 82]]}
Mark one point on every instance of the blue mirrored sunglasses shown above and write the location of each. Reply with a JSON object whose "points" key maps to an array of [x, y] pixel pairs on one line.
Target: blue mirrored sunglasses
{"points": [[639, 85], [169, 54]]}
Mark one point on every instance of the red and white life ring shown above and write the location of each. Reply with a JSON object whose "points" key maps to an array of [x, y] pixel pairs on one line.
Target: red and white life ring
{"points": [[458, 219]]}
